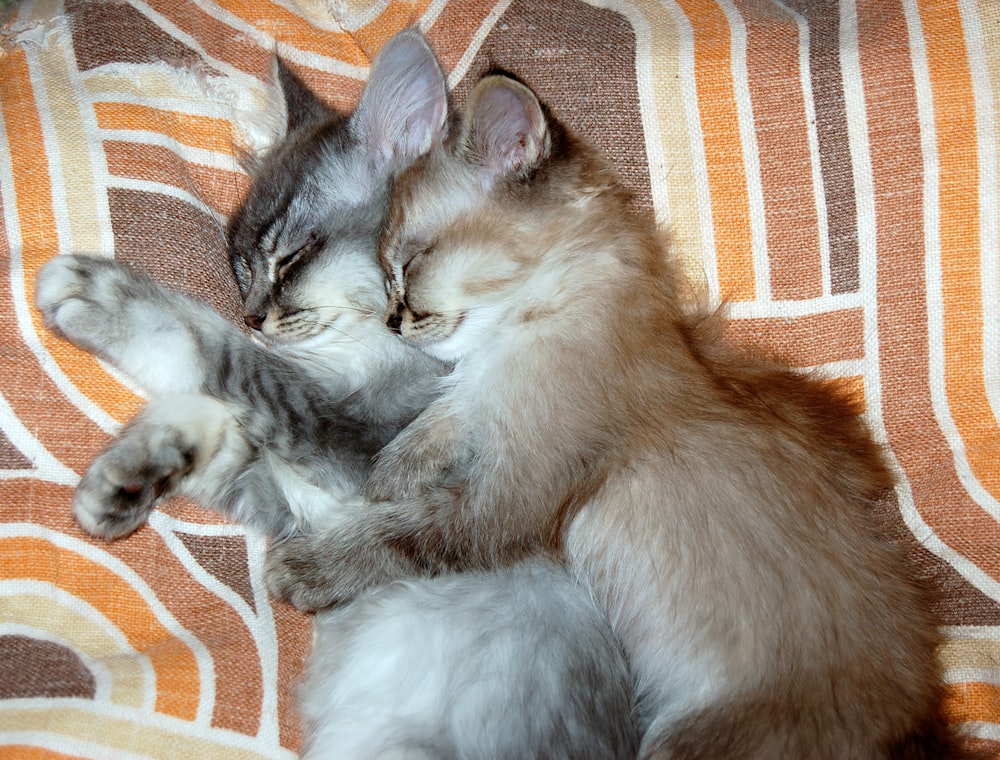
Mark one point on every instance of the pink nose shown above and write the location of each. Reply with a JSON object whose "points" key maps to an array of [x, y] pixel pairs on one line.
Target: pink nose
{"points": [[253, 321]]}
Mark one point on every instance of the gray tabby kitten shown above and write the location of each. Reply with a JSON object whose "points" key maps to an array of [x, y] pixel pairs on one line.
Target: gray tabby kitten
{"points": [[275, 432], [279, 434]]}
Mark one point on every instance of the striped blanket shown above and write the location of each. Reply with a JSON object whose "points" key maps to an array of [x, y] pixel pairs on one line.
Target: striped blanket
{"points": [[830, 169]]}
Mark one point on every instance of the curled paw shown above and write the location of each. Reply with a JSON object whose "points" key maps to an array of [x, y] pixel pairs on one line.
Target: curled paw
{"points": [[85, 299], [316, 570], [126, 481]]}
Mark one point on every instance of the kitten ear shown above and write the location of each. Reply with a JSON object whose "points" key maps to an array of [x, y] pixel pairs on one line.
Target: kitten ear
{"points": [[403, 108], [302, 106], [505, 127]]}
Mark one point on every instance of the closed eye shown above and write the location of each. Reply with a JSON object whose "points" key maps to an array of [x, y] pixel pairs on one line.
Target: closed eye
{"points": [[415, 251], [282, 265]]}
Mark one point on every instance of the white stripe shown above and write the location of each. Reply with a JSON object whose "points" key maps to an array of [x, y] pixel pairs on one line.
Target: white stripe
{"points": [[46, 467], [982, 730], [751, 153], [431, 14], [972, 633], [189, 153], [972, 675], [796, 308]]}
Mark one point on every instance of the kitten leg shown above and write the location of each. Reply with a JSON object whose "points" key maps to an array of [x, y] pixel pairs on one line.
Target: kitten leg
{"points": [[317, 570], [160, 339], [178, 444], [420, 455]]}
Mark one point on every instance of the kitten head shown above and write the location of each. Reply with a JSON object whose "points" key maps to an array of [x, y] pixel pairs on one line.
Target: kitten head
{"points": [[487, 230], [302, 245]]}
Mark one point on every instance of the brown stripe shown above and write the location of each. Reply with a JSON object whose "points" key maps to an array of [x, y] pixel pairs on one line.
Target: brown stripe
{"points": [[219, 40], [179, 245], [225, 557], [35, 668], [10, 457], [117, 33], [794, 338], [957, 602], [832, 135], [580, 61], [219, 188], [785, 163]]}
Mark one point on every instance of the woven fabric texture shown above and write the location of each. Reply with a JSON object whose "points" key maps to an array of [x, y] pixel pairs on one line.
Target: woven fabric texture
{"points": [[830, 169]]}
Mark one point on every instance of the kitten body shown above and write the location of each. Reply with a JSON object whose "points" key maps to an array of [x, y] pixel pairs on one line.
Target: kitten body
{"points": [[718, 506], [279, 432]]}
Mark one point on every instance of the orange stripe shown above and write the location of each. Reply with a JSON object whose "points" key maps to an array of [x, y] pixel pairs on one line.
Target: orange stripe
{"points": [[178, 684], [285, 26], [396, 16], [972, 701], [961, 283], [24, 752], [197, 131], [33, 191], [723, 149]]}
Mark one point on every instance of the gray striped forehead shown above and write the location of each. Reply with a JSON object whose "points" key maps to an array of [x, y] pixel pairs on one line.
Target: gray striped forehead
{"points": [[331, 191]]}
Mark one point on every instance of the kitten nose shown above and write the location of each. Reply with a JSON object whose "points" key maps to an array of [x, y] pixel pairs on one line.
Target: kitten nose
{"points": [[254, 321], [395, 320]]}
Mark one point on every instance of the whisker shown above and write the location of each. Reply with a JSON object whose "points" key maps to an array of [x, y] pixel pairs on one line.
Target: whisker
{"points": [[356, 309]]}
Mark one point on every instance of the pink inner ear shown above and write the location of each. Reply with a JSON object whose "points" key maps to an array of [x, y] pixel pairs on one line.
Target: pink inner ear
{"points": [[508, 126]]}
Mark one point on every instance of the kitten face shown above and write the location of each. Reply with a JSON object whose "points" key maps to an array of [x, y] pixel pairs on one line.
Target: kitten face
{"points": [[446, 265], [302, 244], [461, 246]]}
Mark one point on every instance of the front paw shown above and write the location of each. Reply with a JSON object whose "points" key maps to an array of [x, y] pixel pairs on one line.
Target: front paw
{"points": [[127, 480], [318, 570], [70, 292]]}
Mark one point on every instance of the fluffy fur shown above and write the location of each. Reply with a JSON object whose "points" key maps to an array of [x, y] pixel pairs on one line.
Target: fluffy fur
{"points": [[718, 506], [513, 664], [279, 432]]}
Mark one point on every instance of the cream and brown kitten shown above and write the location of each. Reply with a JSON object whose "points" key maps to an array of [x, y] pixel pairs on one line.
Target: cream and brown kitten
{"points": [[720, 507]]}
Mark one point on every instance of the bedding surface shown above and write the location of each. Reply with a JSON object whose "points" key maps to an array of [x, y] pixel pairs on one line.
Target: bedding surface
{"points": [[829, 169]]}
